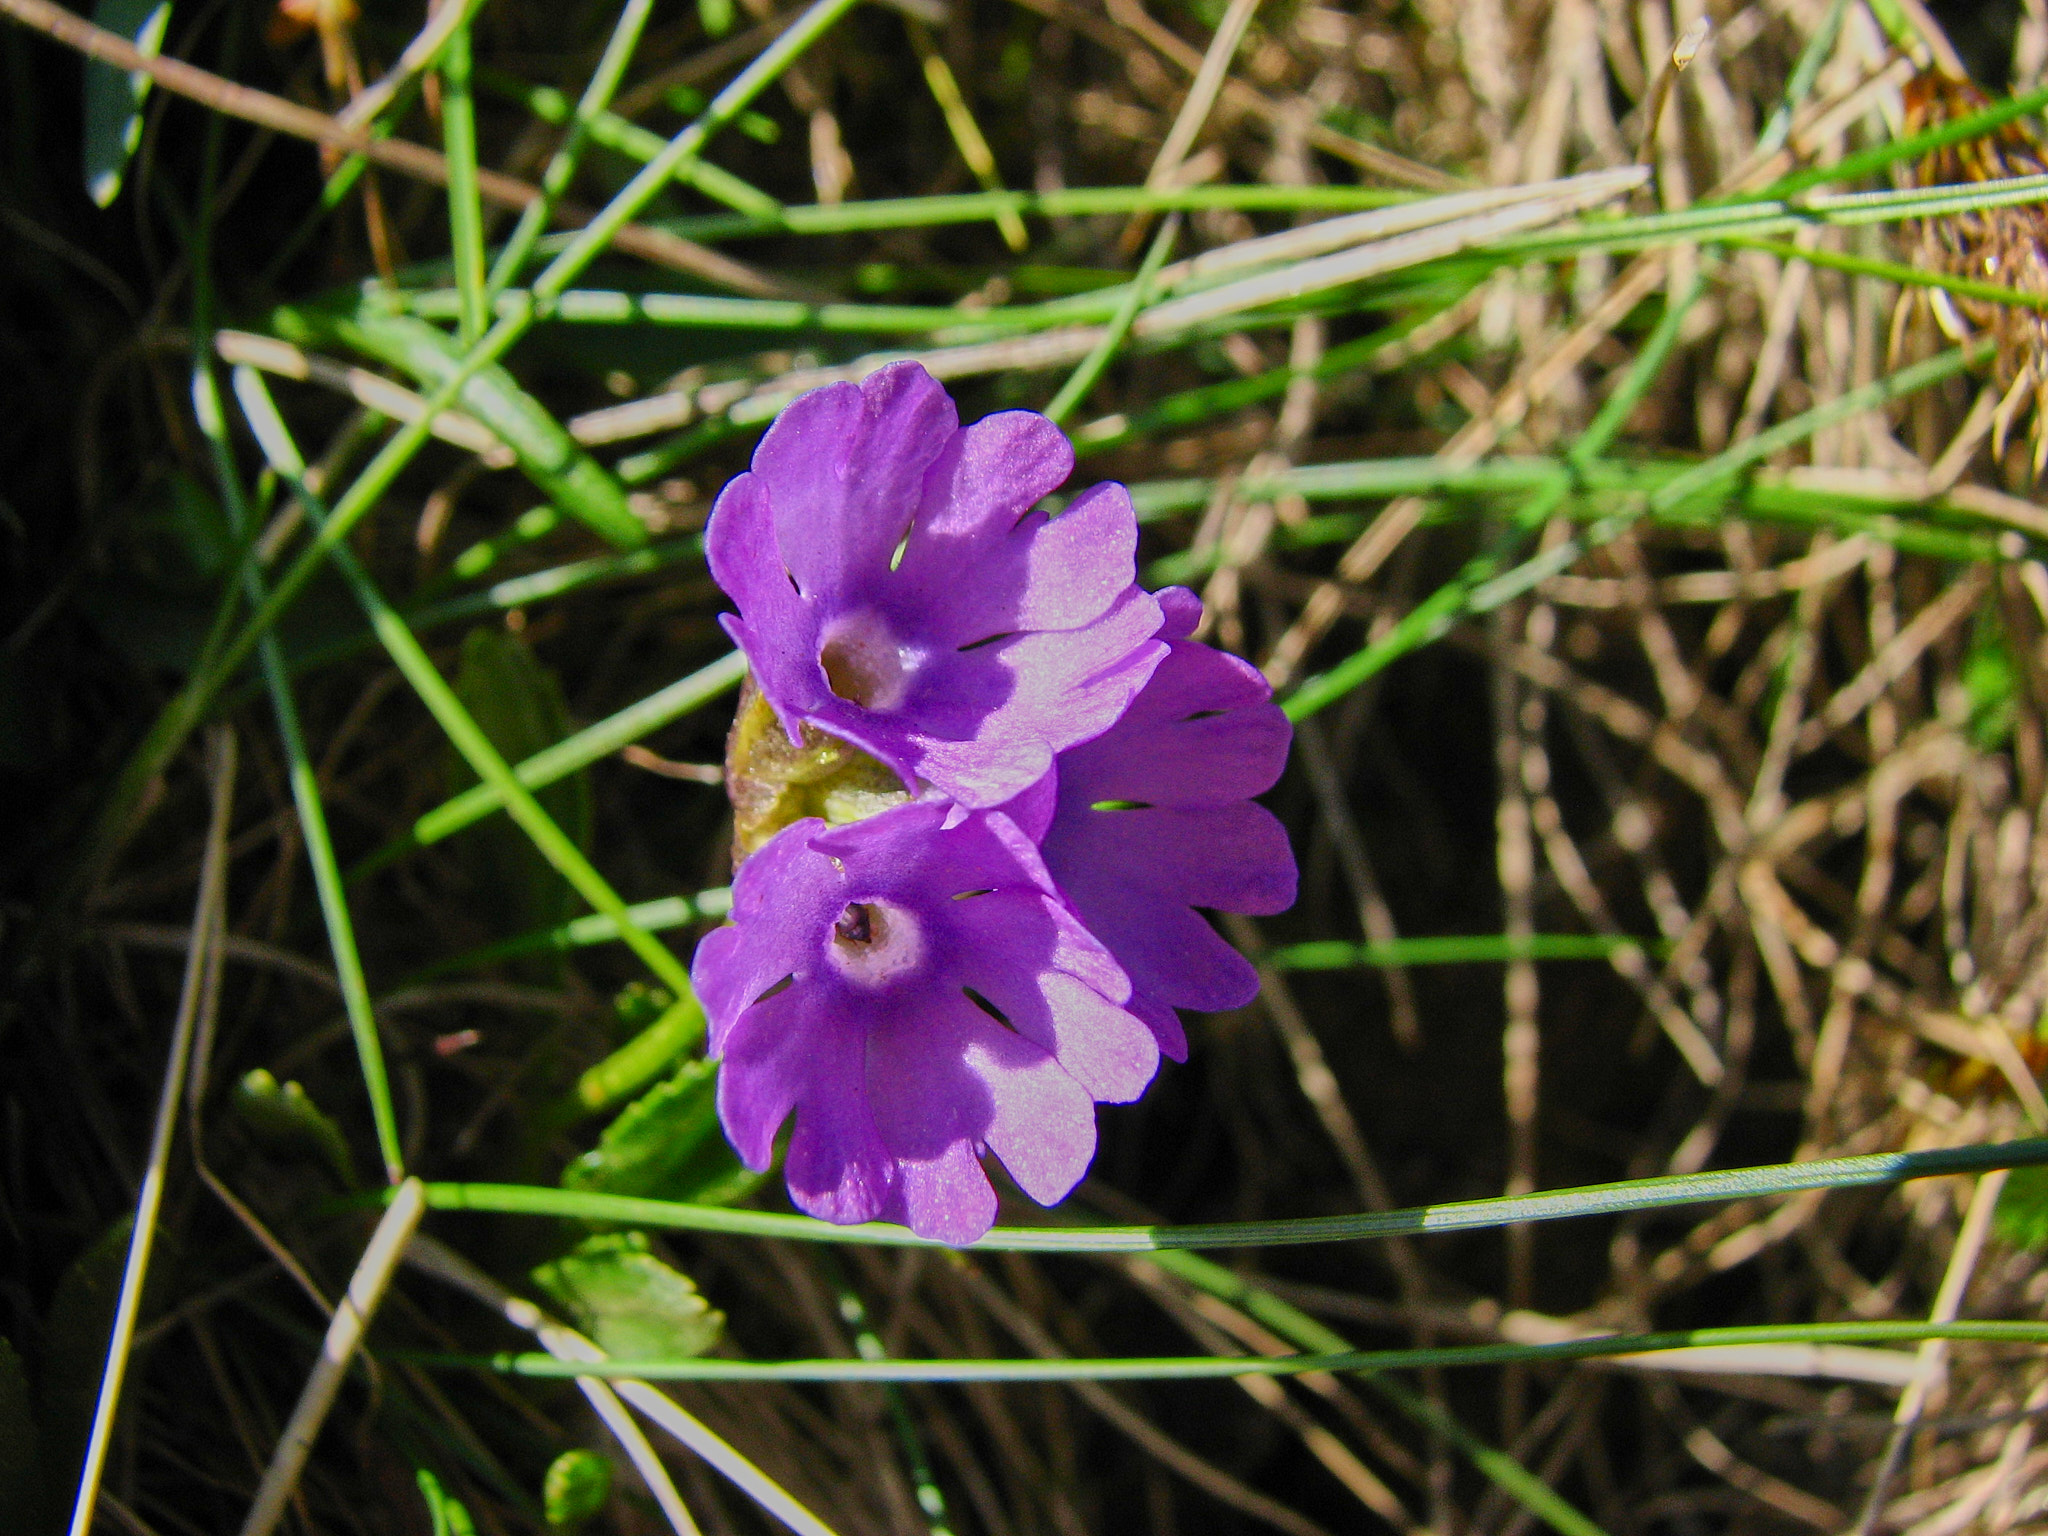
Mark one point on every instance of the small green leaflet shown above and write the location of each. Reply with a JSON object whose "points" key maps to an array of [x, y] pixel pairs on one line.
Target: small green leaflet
{"points": [[575, 1488], [113, 97], [285, 1120], [443, 1508], [615, 1288]]}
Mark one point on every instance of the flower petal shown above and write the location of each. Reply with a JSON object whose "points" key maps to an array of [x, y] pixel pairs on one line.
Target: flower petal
{"points": [[948, 1198], [846, 467], [993, 718], [1202, 733], [1027, 571]]}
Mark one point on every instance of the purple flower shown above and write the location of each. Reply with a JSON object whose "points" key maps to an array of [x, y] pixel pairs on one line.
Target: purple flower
{"points": [[895, 590], [1153, 818], [916, 993]]}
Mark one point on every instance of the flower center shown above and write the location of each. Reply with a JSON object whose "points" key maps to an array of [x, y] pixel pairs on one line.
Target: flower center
{"points": [[863, 663], [875, 942]]}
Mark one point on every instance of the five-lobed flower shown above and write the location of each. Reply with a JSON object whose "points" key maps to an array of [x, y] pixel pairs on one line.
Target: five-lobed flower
{"points": [[975, 969], [895, 589]]}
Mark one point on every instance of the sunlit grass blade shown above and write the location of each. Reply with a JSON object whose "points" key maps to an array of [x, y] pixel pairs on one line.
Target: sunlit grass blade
{"points": [[1223, 1368], [591, 240], [548, 455], [462, 731], [1206, 402], [465, 203], [1461, 949], [527, 591], [1083, 378], [615, 133], [1436, 613], [1904, 276], [967, 134], [566, 756], [659, 915], [561, 167], [1308, 1333], [1461, 1216], [597, 306], [1880, 157], [869, 215], [1941, 528], [1484, 585], [307, 802], [197, 997]]}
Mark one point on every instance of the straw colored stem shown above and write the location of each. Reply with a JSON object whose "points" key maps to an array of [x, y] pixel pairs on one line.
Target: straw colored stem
{"points": [[200, 958], [344, 1336]]}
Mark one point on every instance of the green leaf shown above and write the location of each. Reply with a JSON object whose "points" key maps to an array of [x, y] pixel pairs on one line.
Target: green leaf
{"points": [[113, 97], [443, 1508], [18, 1466], [664, 1146], [284, 1119], [652, 1138], [575, 1488], [638, 1308], [716, 15], [2022, 1215], [518, 704]]}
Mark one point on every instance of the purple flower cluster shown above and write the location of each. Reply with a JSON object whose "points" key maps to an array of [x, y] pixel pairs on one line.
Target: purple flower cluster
{"points": [[976, 968]]}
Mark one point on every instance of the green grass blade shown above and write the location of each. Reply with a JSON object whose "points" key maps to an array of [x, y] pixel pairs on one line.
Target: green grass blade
{"points": [[1939, 528], [871, 214], [334, 910], [1083, 378], [566, 756], [657, 916], [561, 167], [1498, 1466], [1880, 157], [455, 721], [610, 131], [1306, 1332], [1208, 401], [1800, 85], [1460, 1216], [1478, 589], [1231, 1367], [1457, 949], [304, 780], [590, 241], [598, 306], [547, 454], [633, 1065], [530, 590], [1727, 465], [114, 98], [120, 809], [465, 203], [1436, 613], [1897, 272]]}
